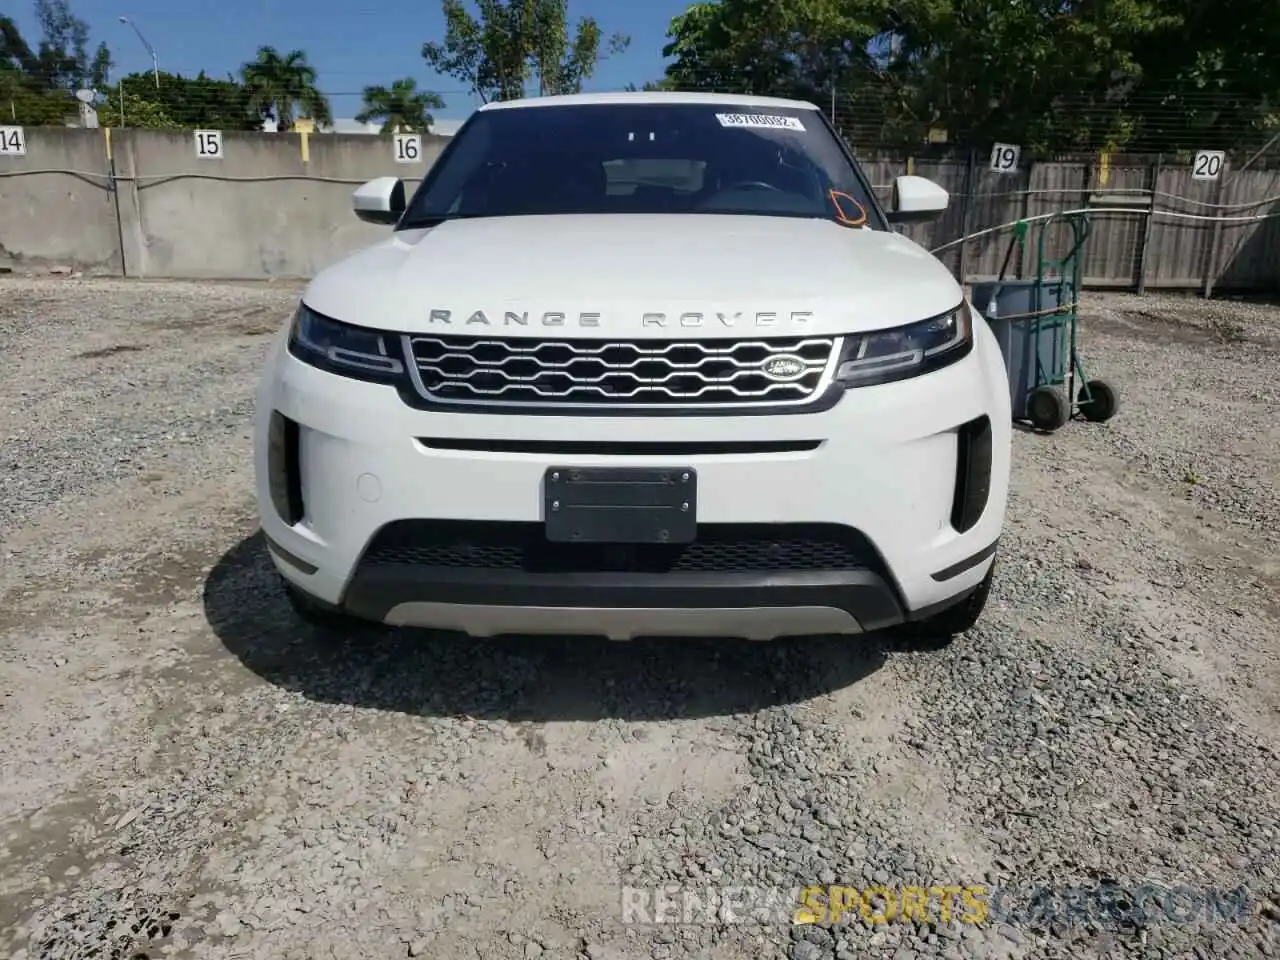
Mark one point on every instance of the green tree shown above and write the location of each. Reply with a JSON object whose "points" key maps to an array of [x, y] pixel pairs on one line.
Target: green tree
{"points": [[100, 68], [199, 102], [401, 106], [22, 104], [650, 86], [16, 54], [796, 48], [284, 86], [1224, 80], [139, 112], [36, 85], [63, 51], [17, 68], [511, 42], [1053, 75], [561, 59], [1046, 71]]}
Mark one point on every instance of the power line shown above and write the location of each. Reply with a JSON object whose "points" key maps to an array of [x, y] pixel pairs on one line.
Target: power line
{"points": [[871, 117]]}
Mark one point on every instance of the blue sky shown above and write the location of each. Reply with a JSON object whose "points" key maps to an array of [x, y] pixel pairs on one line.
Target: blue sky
{"points": [[351, 43]]}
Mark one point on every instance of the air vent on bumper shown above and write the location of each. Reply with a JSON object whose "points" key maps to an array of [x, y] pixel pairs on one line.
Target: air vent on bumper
{"points": [[283, 468], [973, 473]]}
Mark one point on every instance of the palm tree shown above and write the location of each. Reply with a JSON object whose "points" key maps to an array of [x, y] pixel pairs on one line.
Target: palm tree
{"points": [[282, 84], [402, 106]]}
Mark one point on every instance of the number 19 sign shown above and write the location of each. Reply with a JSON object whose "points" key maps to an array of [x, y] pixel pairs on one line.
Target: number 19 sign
{"points": [[408, 147], [1004, 157]]}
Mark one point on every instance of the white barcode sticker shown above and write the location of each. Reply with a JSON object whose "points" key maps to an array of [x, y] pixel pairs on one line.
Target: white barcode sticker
{"points": [[765, 121]]}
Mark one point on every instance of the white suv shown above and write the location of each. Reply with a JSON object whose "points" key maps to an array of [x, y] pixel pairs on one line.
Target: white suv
{"points": [[638, 365]]}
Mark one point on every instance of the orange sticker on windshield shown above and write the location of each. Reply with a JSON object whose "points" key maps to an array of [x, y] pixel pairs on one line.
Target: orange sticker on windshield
{"points": [[858, 220]]}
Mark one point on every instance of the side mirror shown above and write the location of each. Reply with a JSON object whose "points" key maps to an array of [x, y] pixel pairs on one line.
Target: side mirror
{"points": [[916, 199], [379, 201]]}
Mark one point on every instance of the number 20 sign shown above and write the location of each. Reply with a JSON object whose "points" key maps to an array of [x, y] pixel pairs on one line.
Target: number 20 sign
{"points": [[1207, 165]]}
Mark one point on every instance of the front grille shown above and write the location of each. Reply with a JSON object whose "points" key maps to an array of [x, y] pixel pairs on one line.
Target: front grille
{"points": [[719, 548], [621, 374]]}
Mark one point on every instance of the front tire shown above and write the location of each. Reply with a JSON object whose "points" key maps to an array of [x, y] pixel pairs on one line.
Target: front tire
{"points": [[314, 612], [939, 630]]}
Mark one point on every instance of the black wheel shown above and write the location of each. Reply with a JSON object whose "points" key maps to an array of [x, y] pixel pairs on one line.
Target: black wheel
{"points": [[1047, 408], [939, 630], [1098, 401], [312, 611]]}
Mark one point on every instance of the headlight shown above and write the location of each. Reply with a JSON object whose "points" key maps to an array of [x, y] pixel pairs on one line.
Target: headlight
{"points": [[884, 355], [343, 349]]}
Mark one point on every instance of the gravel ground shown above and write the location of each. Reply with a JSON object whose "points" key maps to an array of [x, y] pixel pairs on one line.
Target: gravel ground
{"points": [[186, 772]]}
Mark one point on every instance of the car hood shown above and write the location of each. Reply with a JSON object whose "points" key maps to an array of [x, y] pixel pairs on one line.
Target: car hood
{"points": [[637, 276]]}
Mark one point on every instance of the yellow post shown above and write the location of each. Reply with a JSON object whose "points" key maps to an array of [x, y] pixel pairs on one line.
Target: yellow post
{"points": [[107, 135], [304, 127], [1104, 168]]}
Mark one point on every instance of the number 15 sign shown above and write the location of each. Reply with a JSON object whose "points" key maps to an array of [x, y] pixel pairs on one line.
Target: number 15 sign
{"points": [[208, 144]]}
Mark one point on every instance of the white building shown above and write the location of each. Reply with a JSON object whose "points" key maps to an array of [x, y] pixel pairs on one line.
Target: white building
{"points": [[443, 127]]}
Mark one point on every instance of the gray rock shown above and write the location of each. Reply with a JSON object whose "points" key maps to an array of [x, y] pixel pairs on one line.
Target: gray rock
{"points": [[805, 950]]}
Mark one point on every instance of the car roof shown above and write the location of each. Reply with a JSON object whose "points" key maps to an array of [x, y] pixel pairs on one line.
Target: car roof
{"points": [[664, 96]]}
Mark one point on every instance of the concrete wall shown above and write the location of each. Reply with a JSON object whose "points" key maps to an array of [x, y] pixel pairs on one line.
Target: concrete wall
{"points": [[279, 205], [265, 210], [57, 207], [271, 207]]}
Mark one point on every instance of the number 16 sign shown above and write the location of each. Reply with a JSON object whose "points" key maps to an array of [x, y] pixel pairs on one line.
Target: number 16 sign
{"points": [[408, 147]]}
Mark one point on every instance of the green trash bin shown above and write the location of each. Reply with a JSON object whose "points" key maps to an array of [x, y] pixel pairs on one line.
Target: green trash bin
{"points": [[1035, 320], [1031, 319]]}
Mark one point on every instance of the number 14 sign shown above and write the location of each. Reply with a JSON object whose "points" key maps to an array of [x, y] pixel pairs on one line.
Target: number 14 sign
{"points": [[13, 142]]}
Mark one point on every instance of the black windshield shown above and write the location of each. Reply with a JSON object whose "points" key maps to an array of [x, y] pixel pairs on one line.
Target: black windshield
{"points": [[644, 157]]}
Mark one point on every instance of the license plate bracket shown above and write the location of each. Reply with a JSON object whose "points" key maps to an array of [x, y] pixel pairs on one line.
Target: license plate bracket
{"points": [[620, 504]]}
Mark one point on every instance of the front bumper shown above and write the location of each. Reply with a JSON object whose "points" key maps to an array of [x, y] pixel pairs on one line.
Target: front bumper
{"points": [[882, 462]]}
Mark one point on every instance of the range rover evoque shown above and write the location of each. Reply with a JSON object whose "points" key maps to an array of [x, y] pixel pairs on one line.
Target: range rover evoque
{"points": [[633, 365]]}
